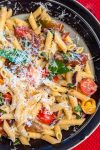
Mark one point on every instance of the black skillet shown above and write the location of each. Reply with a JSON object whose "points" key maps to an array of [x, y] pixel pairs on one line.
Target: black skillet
{"points": [[89, 28]]}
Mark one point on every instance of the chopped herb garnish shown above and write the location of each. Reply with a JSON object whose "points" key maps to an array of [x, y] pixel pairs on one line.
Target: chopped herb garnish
{"points": [[17, 142], [44, 55], [51, 76], [65, 57], [57, 67], [15, 56], [70, 85], [77, 108], [1, 99], [2, 111]]}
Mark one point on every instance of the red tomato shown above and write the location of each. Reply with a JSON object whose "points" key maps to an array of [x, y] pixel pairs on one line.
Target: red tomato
{"points": [[7, 97], [45, 73], [1, 121], [46, 117], [21, 31], [81, 60], [55, 78], [88, 86]]}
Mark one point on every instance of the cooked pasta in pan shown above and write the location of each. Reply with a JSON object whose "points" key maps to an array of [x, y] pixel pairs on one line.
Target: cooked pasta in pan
{"points": [[46, 82]]}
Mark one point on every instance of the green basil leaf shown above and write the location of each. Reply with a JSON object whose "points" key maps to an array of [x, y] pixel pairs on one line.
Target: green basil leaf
{"points": [[50, 77], [78, 108], [15, 56], [70, 85], [57, 67], [17, 142], [2, 111], [1, 99]]}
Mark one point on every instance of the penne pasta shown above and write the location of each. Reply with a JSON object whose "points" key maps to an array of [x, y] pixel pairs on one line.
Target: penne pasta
{"points": [[24, 140], [37, 12], [72, 122], [3, 18], [79, 95], [50, 139], [34, 135], [60, 43], [58, 132], [9, 13], [48, 41], [32, 22], [8, 130], [46, 81]]}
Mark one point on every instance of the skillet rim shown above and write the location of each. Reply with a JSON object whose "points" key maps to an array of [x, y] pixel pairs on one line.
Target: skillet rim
{"points": [[97, 33]]}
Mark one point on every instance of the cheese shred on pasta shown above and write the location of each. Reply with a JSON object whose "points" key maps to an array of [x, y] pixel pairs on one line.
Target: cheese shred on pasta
{"points": [[39, 80]]}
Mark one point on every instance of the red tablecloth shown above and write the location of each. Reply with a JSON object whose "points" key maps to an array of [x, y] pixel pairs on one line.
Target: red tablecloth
{"points": [[93, 142]]}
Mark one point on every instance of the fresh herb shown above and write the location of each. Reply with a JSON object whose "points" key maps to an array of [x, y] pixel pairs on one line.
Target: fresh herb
{"points": [[1, 99], [57, 67], [70, 85], [44, 55], [78, 108], [15, 56], [17, 142], [2, 111], [65, 56], [70, 56], [50, 77]]}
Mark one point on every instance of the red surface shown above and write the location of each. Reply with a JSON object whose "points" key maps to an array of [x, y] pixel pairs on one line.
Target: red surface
{"points": [[93, 6], [92, 142]]}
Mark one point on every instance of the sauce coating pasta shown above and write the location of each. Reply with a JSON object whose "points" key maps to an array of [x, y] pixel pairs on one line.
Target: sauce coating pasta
{"points": [[45, 78]]}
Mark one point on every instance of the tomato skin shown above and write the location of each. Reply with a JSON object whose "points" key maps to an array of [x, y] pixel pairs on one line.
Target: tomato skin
{"points": [[46, 117], [7, 97], [45, 73], [21, 31], [1, 121], [80, 61], [88, 86], [55, 78]]}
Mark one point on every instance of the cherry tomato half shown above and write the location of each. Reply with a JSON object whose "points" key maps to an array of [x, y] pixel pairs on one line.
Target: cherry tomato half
{"points": [[45, 73], [55, 78], [88, 86], [1, 121], [7, 97], [21, 31], [46, 117]]}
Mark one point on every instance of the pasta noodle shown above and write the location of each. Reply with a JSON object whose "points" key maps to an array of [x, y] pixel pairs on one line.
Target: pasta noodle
{"points": [[45, 78]]}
